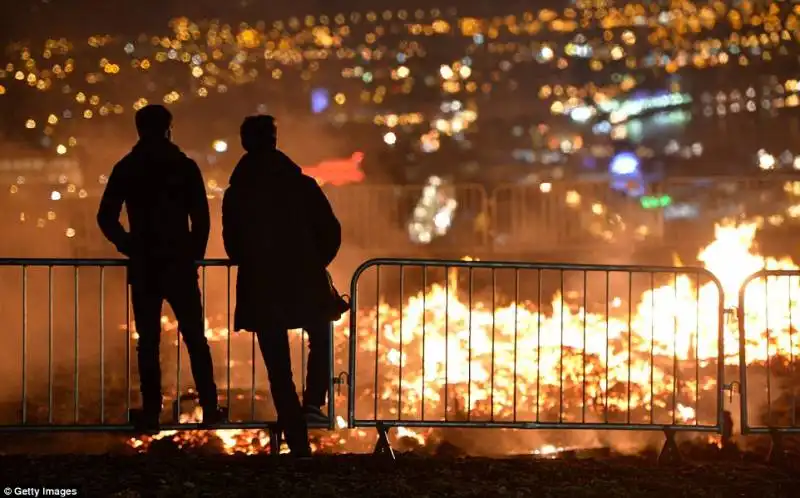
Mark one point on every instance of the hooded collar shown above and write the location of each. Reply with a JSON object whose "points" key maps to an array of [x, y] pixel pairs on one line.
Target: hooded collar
{"points": [[157, 145], [254, 166]]}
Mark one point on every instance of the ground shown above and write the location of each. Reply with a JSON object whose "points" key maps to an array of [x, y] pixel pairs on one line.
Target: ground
{"points": [[188, 475]]}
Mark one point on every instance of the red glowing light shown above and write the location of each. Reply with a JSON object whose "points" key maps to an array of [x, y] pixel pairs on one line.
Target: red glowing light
{"points": [[337, 171]]}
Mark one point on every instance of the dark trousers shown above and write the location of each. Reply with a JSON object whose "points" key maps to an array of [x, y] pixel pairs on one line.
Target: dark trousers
{"points": [[318, 365], [274, 345], [179, 287]]}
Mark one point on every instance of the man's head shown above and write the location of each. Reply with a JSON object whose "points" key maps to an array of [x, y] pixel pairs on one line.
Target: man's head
{"points": [[259, 133], [153, 121]]}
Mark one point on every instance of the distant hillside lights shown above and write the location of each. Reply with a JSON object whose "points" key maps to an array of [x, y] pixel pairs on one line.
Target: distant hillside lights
{"points": [[767, 161], [220, 146], [217, 56], [390, 138]]}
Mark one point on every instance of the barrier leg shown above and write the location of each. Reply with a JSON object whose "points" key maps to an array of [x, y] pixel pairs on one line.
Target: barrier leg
{"points": [[275, 437], [383, 447], [669, 453], [777, 455], [727, 445]]}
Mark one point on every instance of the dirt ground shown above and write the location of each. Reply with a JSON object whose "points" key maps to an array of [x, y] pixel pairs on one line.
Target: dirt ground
{"points": [[188, 475]]}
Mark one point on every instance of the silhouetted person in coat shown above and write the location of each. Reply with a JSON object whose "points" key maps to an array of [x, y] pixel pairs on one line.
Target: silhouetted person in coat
{"points": [[163, 191], [279, 227]]}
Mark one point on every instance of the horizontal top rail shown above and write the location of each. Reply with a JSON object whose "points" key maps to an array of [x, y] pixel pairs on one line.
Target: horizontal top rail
{"points": [[93, 262], [667, 180], [527, 265], [765, 273]]}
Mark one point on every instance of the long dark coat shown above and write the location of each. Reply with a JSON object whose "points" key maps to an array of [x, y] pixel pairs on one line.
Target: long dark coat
{"points": [[278, 226]]}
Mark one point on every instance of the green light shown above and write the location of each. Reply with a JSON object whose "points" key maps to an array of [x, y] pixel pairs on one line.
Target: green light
{"points": [[652, 202]]}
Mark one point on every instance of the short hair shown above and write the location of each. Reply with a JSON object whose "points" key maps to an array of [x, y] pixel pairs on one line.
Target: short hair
{"points": [[153, 121], [259, 133]]}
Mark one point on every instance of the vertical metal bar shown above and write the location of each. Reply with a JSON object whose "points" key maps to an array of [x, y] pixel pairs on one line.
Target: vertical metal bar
{"points": [[203, 306], [538, 342], [742, 322], [675, 348], [77, 318], [203, 302], [400, 375], [446, 335], [253, 378], [352, 350], [494, 312], [424, 313], [769, 363], [630, 339], [102, 346], [127, 348], [608, 351], [377, 336], [178, 335], [516, 324], [303, 368], [331, 385], [697, 351], [469, 354], [230, 327], [50, 372], [791, 353], [24, 344], [652, 347], [583, 360], [561, 351]]}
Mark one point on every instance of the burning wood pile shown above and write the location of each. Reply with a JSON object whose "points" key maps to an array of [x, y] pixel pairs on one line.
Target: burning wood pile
{"points": [[487, 348], [478, 360]]}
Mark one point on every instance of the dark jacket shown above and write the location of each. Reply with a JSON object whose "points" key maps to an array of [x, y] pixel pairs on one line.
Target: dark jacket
{"points": [[162, 190], [278, 226]]}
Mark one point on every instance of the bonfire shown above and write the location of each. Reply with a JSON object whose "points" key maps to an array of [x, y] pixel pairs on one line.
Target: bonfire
{"points": [[444, 354]]}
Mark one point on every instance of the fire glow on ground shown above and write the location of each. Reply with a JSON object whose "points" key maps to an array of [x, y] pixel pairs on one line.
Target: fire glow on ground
{"points": [[175, 474]]}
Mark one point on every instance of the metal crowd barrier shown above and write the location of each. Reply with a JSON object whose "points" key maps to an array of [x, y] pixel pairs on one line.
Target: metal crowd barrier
{"points": [[75, 371], [568, 214], [769, 349], [457, 344], [376, 217]]}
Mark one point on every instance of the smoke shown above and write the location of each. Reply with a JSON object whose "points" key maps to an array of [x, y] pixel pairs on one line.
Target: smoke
{"points": [[33, 226], [59, 321], [76, 329]]}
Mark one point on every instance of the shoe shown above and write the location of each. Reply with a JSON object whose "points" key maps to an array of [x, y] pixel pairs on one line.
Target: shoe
{"points": [[145, 422], [303, 453], [214, 416], [314, 416]]}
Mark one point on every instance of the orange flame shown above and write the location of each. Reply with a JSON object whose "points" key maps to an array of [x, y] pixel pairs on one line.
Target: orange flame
{"points": [[483, 363]]}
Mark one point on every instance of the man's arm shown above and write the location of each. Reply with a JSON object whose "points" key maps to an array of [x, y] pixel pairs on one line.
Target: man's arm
{"points": [[198, 212], [231, 231], [111, 208], [326, 225]]}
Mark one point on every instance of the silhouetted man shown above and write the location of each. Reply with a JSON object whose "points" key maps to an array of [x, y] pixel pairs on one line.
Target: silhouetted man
{"points": [[279, 227], [163, 191]]}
